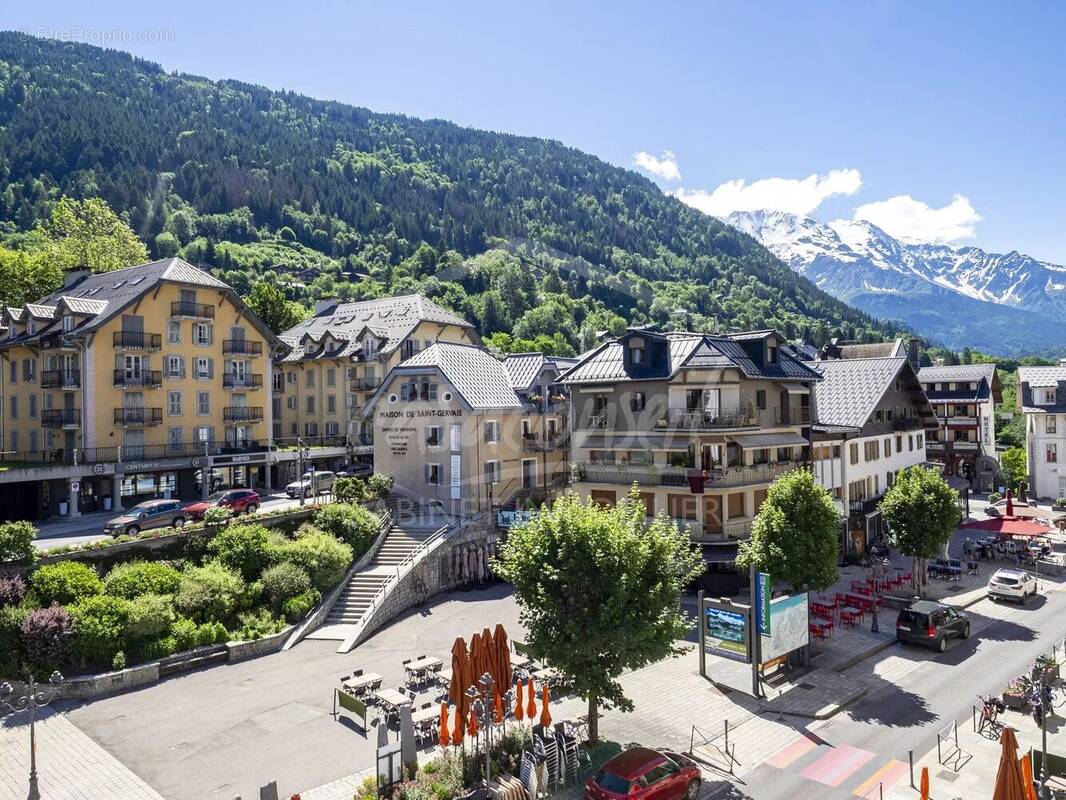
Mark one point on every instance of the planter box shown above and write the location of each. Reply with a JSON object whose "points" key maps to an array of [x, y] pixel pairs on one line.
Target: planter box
{"points": [[1015, 701]]}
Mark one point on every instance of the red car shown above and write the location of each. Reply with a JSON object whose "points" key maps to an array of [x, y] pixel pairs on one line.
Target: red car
{"points": [[238, 501], [644, 774]]}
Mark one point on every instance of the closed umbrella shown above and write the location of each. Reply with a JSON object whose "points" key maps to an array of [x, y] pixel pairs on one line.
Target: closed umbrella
{"points": [[545, 715], [499, 708], [408, 746], [503, 657], [925, 783], [1027, 777], [519, 712], [477, 659], [531, 705], [471, 729], [445, 737], [488, 660], [457, 688], [1009, 784], [1010, 504]]}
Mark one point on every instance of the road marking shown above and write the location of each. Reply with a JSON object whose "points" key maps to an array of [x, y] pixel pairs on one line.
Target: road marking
{"points": [[886, 776], [790, 752], [834, 767]]}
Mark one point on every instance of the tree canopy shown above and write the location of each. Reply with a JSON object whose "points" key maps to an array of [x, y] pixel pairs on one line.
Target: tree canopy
{"points": [[921, 512], [1015, 469], [599, 590], [794, 536], [270, 304]]}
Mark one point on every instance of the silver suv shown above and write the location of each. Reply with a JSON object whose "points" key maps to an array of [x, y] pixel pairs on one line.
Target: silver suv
{"points": [[145, 516], [312, 483], [1011, 584]]}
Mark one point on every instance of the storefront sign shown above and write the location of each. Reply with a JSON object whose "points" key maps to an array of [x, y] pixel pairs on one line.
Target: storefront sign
{"points": [[724, 630], [245, 458], [398, 439], [456, 476], [150, 466], [425, 412]]}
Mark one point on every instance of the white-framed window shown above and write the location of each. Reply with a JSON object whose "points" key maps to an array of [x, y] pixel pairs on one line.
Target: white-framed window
{"points": [[33, 410], [68, 323], [310, 404], [1051, 453], [491, 428], [332, 429], [921, 440], [331, 376], [290, 377], [433, 474], [175, 405], [492, 472], [331, 404], [434, 436], [309, 379], [174, 438], [290, 402], [175, 367], [203, 403], [173, 331], [1050, 421], [205, 368], [204, 433], [202, 334]]}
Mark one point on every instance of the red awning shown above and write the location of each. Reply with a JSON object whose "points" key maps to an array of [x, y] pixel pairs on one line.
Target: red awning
{"points": [[1008, 526]]}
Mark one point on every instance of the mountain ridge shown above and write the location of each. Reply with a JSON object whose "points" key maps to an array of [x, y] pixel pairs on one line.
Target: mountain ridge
{"points": [[963, 296]]}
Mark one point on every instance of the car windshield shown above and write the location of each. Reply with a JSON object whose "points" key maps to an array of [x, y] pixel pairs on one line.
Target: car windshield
{"points": [[136, 512], [610, 782], [214, 498], [1006, 580], [306, 476]]}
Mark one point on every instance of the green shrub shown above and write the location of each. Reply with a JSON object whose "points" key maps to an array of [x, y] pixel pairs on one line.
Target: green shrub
{"points": [[118, 661], [379, 486], [245, 549], [995, 497], [99, 628], [11, 649], [155, 649], [46, 637], [211, 633], [353, 525], [251, 596], [349, 490], [296, 608], [183, 632], [209, 593], [217, 515], [16, 542], [325, 558], [151, 616], [257, 625], [282, 581], [135, 578], [65, 583]]}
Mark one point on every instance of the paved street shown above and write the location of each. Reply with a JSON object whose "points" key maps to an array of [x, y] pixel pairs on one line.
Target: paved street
{"points": [[89, 527]]}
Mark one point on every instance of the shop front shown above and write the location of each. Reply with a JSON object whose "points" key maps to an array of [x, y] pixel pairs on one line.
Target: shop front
{"points": [[242, 471], [138, 481]]}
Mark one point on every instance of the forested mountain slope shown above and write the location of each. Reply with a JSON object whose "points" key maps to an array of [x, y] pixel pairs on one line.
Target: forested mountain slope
{"points": [[324, 198]]}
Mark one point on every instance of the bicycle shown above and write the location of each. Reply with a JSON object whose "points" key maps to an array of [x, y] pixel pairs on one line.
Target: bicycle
{"points": [[991, 708]]}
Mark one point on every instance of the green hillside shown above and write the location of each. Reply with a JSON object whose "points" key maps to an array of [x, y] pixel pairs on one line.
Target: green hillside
{"points": [[325, 198]]}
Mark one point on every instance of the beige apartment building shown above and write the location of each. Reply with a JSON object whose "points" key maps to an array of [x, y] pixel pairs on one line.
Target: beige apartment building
{"points": [[457, 436], [701, 423], [132, 384], [337, 359]]}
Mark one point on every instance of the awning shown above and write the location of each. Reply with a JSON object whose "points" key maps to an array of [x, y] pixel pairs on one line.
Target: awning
{"points": [[795, 388], [758, 441], [1008, 526], [635, 441]]}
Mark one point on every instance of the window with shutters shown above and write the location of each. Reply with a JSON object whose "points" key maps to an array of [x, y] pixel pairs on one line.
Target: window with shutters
{"points": [[174, 438], [853, 453], [309, 378], [173, 332], [14, 372], [202, 334], [14, 408], [492, 431], [331, 404], [175, 367], [1050, 423], [310, 404], [433, 474], [204, 368], [203, 403], [492, 472], [637, 402], [33, 410], [331, 376], [433, 435], [174, 404]]}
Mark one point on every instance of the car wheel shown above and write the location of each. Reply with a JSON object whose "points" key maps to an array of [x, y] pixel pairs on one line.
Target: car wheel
{"points": [[179, 522], [966, 631], [941, 644], [132, 530], [307, 493], [252, 509], [693, 790]]}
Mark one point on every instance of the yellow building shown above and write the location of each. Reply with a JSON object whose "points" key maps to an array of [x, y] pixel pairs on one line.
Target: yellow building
{"points": [[337, 358], [132, 384]]}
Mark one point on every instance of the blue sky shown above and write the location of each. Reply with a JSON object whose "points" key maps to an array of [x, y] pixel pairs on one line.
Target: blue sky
{"points": [[950, 112]]}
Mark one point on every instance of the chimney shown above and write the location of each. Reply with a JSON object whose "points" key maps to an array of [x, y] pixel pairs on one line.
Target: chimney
{"points": [[325, 305], [72, 276], [1062, 362], [912, 353]]}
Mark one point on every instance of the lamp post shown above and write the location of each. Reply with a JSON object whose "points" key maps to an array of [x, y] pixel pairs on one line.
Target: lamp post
{"points": [[302, 453], [30, 702], [482, 706]]}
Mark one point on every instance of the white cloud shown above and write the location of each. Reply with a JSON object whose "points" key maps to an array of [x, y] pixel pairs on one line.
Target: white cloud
{"points": [[665, 166], [906, 218], [794, 195]]}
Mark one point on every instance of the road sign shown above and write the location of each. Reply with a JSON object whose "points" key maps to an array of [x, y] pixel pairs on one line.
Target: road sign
{"points": [[763, 590]]}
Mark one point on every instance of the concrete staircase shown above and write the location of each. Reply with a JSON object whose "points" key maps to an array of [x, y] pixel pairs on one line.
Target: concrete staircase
{"points": [[354, 601]]}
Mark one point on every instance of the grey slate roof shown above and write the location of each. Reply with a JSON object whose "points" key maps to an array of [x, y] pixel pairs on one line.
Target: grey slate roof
{"points": [[480, 378], [891, 349], [1041, 376], [390, 318], [959, 372], [852, 387]]}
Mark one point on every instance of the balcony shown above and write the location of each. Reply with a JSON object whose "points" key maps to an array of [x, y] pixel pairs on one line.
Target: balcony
{"points": [[58, 341], [137, 340], [538, 444], [865, 505], [293, 442], [960, 422], [718, 531], [365, 384], [242, 414], [241, 347], [138, 379], [184, 309], [701, 420], [659, 475], [61, 379], [61, 418], [965, 446], [794, 415], [138, 417], [906, 424], [231, 380]]}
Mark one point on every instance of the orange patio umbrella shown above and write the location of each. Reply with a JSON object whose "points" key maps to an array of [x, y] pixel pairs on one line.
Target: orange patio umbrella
{"points": [[499, 715], [471, 729], [445, 738], [519, 713], [1027, 777], [503, 657], [531, 706], [924, 783], [488, 660], [545, 715], [457, 688], [1009, 784]]}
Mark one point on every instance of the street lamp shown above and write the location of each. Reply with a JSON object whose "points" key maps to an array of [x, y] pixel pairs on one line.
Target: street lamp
{"points": [[303, 452], [31, 701], [482, 706]]}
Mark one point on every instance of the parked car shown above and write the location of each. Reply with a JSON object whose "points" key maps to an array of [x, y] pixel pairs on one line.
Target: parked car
{"points": [[356, 471], [1011, 584], [311, 484], [931, 624], [640, 773], [146, 516], [238, 501]]}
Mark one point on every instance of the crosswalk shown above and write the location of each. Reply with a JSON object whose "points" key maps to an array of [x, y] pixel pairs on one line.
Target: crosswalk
{"points": [[853, 770]]}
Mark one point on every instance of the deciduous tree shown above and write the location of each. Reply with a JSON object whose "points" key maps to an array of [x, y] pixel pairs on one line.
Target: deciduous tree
{"points": [[87, 233], [921, 512]]}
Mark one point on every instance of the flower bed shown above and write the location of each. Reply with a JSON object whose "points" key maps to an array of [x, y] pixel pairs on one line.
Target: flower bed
{"points": [[238, 582]]}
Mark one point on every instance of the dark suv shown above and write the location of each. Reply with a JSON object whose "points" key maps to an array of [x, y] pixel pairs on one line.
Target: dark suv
{"points": [[931, 625]]}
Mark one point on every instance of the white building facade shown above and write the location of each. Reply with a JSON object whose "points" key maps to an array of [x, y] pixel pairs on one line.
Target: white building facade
{"points": [[1042, 399]]}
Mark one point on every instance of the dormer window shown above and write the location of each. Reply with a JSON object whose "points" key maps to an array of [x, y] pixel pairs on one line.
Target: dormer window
{"points": [[771, 353], [370, 347], [636, 351], [1046, 397], [68, 323]]}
